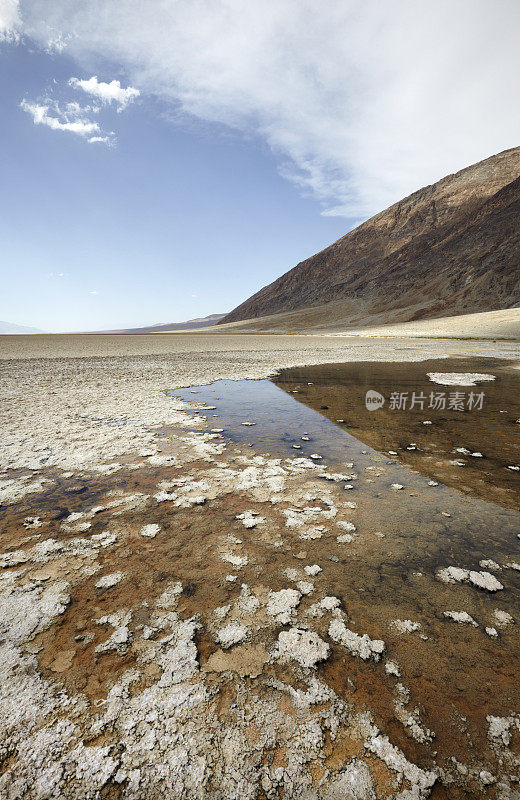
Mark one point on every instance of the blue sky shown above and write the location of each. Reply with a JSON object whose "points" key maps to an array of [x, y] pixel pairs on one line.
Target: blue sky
{"points": [[239, 140], [172, 222]]}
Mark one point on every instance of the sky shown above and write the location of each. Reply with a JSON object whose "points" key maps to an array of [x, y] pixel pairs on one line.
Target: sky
{"points": [[164, 160]]}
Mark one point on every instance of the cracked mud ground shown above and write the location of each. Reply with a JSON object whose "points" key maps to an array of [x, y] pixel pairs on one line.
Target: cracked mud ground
{"points": [[185, 617]]}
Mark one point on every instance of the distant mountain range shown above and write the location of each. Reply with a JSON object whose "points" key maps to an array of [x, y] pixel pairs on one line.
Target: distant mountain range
{"points": [[450, 248], [10, 327], [191, 324]]}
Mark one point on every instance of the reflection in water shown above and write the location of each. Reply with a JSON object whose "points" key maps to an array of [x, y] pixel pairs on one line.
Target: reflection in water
{"points": [[465, 436]]}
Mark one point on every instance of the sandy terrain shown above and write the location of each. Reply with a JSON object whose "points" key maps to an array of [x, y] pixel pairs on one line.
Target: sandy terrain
{"points": [[180, 617], [333, 317]]}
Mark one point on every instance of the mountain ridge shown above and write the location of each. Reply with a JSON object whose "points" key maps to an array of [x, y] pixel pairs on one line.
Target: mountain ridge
{"points": [[420, 254], [190, 324], [10, 328]]}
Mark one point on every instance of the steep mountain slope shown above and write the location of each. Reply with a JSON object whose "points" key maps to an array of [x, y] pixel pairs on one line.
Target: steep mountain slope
{"points": [[452, 247]]}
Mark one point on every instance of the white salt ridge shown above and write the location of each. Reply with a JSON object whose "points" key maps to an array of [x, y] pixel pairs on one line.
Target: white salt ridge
{"points": [[281, 605], [459, 378], [405, 625], [362, 646], [14, 489], [150, 531], [410, 719], [482, 580], [345, 538], [346, 526], [461, 617], [312, 532], [237, 561], [118, 641], [250, 519], [164, 496], [421, 780], [304, 647], [32, 522], [329, 603], [502, 618], [246, 603], [107, 581], [232, 634], [499, 730], [74, 517], [488, 563], [336, 477], [162, 461]]}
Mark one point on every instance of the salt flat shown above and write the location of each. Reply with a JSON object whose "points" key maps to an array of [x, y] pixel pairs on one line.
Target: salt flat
{"points": [[182, 616], [279, 349]]}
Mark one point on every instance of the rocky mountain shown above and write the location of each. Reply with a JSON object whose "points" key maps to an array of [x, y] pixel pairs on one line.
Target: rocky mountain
{"points": [[191, 324], [449, 248]]}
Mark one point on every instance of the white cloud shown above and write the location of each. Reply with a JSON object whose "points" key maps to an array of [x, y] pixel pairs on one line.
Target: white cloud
{"points": [[64, 121], [106, 92], [95, 292], [361, 101], [10, 22], [70, 117], [56, 43]]}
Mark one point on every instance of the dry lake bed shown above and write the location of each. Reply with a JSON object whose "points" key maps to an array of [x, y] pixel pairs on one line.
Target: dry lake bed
{"points": [[222, 575]]}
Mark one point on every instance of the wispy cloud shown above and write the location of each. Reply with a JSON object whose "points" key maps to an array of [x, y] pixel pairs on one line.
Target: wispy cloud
{"points": [[111, 92], [100, 139], [68, 116], [72, 121], [10, 22], [362, 102]]}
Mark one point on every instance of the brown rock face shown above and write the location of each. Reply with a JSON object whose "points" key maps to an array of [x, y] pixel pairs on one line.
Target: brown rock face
{"points": [[452, 247]]}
